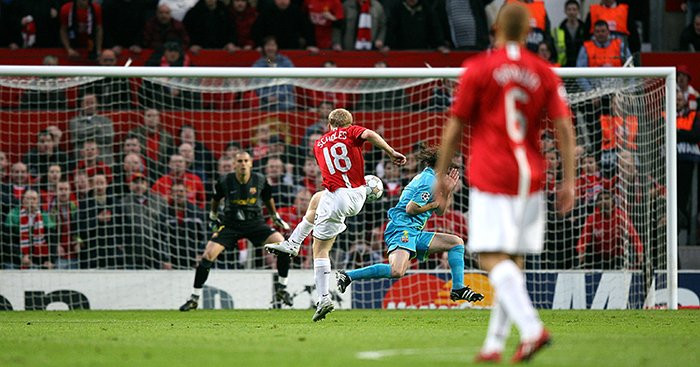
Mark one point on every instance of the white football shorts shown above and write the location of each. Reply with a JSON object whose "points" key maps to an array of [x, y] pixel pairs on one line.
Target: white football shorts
{"points": [[506, 223], [334, 207]]}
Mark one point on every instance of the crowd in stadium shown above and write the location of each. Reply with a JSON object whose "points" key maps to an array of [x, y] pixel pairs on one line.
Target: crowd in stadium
{"points": [[86, 27], [140, 202]]}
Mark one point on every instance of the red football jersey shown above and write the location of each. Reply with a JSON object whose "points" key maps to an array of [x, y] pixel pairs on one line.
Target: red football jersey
{"points": [[323, 28], [339, 156], [85, 25], [504, 96]]}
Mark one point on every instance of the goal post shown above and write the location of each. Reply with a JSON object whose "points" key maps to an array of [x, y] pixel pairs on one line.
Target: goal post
{"points": [[625, 121]]}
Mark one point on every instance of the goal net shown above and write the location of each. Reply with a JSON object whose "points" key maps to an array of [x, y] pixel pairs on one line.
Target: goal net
{"points": [[120, 165]]}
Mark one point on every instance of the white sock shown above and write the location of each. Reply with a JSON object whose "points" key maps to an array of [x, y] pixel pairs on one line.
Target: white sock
{"points": [[509, 283], [282, 280], [197, 292], [499, 329], [302, 230], [322, 275]]}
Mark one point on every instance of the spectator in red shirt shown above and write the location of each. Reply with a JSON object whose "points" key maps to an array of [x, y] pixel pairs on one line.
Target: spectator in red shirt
{"points": [[81, 27], [608, 236], [158, 142], [178, 174], [163, 28], [244, 16], [326, 16], [91, 164], [589, 184]]}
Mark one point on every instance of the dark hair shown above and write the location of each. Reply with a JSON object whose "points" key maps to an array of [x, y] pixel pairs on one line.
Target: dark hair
{"points": [[233, 143], [131, 136], [267, 39], [428, 156], [172, 46], [569, 2], [601, 23]]}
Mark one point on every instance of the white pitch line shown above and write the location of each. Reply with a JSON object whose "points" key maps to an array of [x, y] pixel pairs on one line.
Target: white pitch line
{"points": [[379, 354]]}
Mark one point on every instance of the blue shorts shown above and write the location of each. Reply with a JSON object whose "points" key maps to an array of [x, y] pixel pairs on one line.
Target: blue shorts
{"points": [[414, 241]]}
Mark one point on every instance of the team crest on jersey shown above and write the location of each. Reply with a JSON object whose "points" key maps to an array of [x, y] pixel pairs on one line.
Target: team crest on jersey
{"points": [[425, 196], [253, 190], [404, 238]]}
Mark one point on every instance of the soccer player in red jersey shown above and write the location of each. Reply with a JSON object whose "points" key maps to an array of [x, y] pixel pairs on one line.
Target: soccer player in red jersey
{"points": [[504, 97], [339, 156]]}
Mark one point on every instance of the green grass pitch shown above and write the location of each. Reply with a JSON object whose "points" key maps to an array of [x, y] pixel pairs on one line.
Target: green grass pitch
{"points": [[345, 338]]}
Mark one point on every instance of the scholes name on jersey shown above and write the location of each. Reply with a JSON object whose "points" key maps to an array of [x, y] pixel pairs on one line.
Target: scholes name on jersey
{"points": [[338, 135]]}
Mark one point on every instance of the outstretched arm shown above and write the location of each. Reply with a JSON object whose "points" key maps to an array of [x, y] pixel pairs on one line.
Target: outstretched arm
{"points": [[379, 142]]}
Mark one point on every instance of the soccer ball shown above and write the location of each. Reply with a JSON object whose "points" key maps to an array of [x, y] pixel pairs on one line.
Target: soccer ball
{"points": [[375, 187]]}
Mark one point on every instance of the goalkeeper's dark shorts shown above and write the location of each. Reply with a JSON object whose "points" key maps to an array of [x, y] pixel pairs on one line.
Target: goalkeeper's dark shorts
{"points": [[228, 234]]}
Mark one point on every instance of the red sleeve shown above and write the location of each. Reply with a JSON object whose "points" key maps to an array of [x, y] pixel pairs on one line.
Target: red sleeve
{"points": [[464, 104], [557, 106], [354, 132], [108, 173], [65, 11], [98, 13], [338, 10], [160, 187]]}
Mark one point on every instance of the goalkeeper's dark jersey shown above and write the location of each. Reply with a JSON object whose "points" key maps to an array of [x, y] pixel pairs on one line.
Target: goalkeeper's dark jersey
{"points": [[243, 202]]}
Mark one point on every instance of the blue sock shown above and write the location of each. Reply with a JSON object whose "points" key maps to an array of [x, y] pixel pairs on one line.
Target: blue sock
{"points": [[375, 271], [456, 259]]}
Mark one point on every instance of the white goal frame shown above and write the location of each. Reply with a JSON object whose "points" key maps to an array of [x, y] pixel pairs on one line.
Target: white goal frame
{"points": [[668, 73]]}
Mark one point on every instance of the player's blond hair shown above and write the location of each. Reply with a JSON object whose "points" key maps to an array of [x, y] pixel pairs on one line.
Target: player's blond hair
{"points": [[513, 22], [340, 117]]}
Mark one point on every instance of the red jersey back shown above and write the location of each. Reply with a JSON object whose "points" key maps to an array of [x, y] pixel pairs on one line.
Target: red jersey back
{"points": [[339, 156], [504, 96]]}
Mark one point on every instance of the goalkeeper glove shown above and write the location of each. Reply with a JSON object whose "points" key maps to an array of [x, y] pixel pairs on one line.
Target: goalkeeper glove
{"points": [[214, 222], [277, 220]]}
